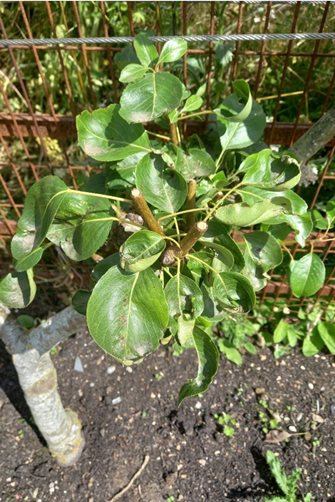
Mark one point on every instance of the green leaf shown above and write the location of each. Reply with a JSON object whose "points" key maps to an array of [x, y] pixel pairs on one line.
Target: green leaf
{"points": [[289, 200], [233, 289], [302, 225], [172, 50], [17, 289], [264, 249], [253, 271], [185, 332], [307, 275], [26, 321], [152, 96], [242, 215], [183, 297], [196, 164], [145, 50], [269, 170], [208, 361], [277, 471], [238, 126], [30, 260], [80, 300], [141, 250], [132, 73], [220, 231], [104, 135], [231, 107], [161, 186], [41, 205], [73, 232], [327, 334], [280, 333], [223, 259], [312, 344], [231, 352], [192, 103], [102, 266], [127, 313]]}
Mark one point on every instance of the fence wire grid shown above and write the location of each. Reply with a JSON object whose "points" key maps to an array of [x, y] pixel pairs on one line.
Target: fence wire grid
{"points": [[58, 58]]}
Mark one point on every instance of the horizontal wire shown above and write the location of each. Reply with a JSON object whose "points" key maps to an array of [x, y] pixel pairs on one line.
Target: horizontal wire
{"points": [[29, 42]]}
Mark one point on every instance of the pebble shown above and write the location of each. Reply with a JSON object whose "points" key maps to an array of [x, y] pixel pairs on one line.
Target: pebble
{"points": [[78, 366], [117, 400], [111, 369], [292, 428], [202, 462], [198, 405], [332, 409], [129, 369], [311, 386]]}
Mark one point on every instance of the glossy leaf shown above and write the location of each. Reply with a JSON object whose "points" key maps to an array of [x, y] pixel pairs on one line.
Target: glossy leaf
{"points": [[269, 170], [192, 103], [152, 96], [280, 333], [132, 73], [141, 250], [237, 107], [233, 289], [41, 205], [127, 313], [104, 265], [80, 300], [239, 124], [264, 249], [312, 344], [208, 361], [287, 199], [161, 186], [172, 50], [30, 260], [80, 217], [253, 271], [185, 332], [327, 334], [220, 231], [223, 259], [145, 50], [183, 297], [104, 135], [307, 275], [242, 215], [231, 352], [196, 164], [17, 289]]}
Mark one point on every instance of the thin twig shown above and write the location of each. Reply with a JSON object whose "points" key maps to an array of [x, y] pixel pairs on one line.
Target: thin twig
{"points": [[131, 482]]}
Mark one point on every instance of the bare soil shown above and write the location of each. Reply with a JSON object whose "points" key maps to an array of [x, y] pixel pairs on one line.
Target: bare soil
{"points": [[128, 413]]}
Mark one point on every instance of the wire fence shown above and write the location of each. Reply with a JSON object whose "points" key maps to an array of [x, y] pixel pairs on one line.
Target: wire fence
{"points": [[57, 58]]}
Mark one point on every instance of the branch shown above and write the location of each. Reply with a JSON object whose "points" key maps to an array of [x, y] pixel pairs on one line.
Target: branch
{"points": [[49, 333], [144, 210], [316, 137]]}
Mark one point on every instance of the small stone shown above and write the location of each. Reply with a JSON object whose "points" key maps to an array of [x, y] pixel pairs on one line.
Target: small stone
{"points": [[311, 386], [317, 418], [332, 409], [202, 462], [102, 432], [129, 369], [259, 391], [111, 369], [117, 400], [78, 365], [109, 389], [80, 393], [292, 428], [299, 417], [152, 395], [263, 357], [198, 405]]}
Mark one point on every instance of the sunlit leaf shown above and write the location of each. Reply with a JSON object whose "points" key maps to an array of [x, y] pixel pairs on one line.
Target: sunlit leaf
{"points": [[208, 361], [307, 275], [141, 250], [127, 313], [104, 135], [17, 289]]}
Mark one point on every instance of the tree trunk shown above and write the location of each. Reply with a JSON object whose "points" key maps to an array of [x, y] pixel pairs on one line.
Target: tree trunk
{"points": [[61, 428]]}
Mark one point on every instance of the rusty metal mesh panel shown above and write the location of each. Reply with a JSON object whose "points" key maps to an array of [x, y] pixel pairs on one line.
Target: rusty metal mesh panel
{"points": [[43, 88]]}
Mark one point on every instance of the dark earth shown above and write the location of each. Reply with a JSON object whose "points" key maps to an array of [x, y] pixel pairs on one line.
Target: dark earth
{"points": [[131, 413]]}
